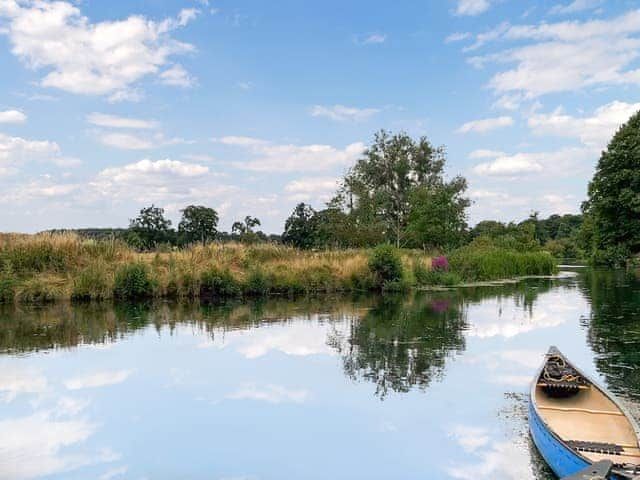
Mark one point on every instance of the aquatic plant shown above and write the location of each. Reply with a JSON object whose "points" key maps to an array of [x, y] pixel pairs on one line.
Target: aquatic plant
{"points": [[133, 281]]}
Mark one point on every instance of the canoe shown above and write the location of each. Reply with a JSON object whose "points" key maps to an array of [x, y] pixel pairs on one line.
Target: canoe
{"points": [[575, 423]]}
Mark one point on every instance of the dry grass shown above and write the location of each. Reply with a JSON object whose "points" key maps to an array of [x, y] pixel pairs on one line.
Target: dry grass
{"points": [[47, 267]]}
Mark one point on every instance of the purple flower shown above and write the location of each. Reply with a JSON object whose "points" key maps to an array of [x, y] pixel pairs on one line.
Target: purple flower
{"points": [[440, 264]]}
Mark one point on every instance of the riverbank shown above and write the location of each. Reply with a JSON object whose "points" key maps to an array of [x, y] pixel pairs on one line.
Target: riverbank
{"points": [[46, 268]]}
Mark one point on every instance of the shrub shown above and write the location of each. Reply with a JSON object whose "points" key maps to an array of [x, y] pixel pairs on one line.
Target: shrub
{"points": [[491, 263], [385, 265], [133, 281], [257, 283], [218, 283], [440, 263], [91, 284]]}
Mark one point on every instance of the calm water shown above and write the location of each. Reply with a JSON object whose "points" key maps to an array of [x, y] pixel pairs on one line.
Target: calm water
{"points": [[424, 386]]}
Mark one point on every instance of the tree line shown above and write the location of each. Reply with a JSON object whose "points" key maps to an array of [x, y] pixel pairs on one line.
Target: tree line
{"points": [[397, 193]]}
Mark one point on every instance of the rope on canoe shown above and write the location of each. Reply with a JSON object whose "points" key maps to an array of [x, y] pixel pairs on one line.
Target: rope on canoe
{"points": [[557, 373]]}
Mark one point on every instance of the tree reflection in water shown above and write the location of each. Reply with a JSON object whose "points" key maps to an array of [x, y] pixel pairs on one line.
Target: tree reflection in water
{"points": [[396, 341], [614, 327]]}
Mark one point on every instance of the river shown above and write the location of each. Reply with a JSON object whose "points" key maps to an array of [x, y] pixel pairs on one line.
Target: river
{"points": [[419, 386]]}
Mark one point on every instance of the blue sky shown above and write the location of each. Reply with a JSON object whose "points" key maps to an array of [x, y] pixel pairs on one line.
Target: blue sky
{"points": [[251, 107]]}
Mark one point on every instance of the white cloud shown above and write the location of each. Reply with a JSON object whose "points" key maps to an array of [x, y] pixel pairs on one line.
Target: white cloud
{"points": [[17, 151], [177, 76], [470, 438], [457, 37], [245, 85], [147, 168], [594, 131], [14, 381], [34, 446], [98, 379], [484, 153], [486, 124], [343, 113], [574, 7], [270, 394], [272, 157], [312, 185], [472, 7], [124, 141], [12, 116], [564, 56], [170, 183], [567, 161], [503, 460], [115, 121], [370, 39], [90, 58]]}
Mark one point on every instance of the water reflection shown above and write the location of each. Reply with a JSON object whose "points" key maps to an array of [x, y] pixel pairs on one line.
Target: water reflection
{"points": [[614, 328], [284, 389]]}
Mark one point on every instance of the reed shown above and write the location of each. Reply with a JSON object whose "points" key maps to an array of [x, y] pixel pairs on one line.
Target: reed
{"points": [[48, 267]]}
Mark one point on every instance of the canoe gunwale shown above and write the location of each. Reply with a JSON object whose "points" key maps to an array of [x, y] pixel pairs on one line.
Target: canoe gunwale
{"points": [[532, 398]]}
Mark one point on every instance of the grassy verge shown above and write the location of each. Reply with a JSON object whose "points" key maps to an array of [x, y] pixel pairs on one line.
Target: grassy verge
{"points": [[47, 268]]}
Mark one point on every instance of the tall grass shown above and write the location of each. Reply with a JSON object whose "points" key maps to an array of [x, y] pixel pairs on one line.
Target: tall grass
{"points": [[490, 263], [42, 268]]}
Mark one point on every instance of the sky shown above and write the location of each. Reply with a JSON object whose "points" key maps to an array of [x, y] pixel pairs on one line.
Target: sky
{"points": [[251, 107]]}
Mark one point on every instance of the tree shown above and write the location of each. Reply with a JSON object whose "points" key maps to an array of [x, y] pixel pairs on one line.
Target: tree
{"points": [[244, 230], [151, 228], [300, 228], [376, 190], [198, 224], [438, 215], [614, 194]]}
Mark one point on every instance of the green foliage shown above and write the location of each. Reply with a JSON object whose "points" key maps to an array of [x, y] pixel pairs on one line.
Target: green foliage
{"points": [[198, 224], [428, 277], [133, 281], [512, 236], [257, 283], [385, 265], [7, 288], [437, 218], [38, 256], [244, 231], [482, 262], [218, 283], [614, 196], [151, 228], [300, 228], [91, 284], [377, 189]]}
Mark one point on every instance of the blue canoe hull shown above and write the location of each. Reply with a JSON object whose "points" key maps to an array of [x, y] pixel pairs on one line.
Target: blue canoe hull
{"points": [[562, 460]]}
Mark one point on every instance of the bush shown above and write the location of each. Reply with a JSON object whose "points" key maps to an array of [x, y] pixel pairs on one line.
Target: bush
{"points": [[491, 263], [257, 283], [133, 281], [218, 283], [385, 265], [91, 284]]}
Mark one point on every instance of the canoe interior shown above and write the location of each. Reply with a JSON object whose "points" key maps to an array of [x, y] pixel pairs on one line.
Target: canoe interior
{"points": [[588, 420]]}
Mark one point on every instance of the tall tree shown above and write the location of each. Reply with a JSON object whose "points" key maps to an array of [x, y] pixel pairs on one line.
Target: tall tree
{"points": [[198, 224], [376, 191], [151, 227], [614, 194], [438, 215], [300, 228]]}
